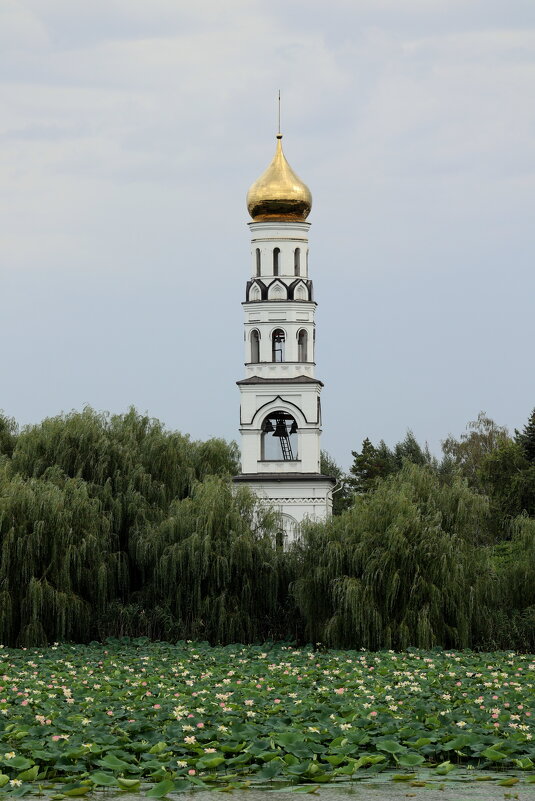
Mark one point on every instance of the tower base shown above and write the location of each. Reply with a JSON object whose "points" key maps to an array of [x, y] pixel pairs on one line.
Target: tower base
{"points": [[297, 497]]}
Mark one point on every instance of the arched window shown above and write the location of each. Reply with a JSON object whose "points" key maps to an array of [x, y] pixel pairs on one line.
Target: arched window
{"points": [[255, 346], [278, 341], [276, 261], [302, 346], [279, 437], [297, 261], [258, 262]]}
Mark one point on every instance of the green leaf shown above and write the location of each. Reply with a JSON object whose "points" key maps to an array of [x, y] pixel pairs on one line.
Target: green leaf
{"points": [[111, 762], [444, 768], [102, 779], [76, 789], [29, 775], [304, 788], [391, 746], [509, 782], [19, 763], [161, 789], [270, 770], [211, 764], [410, 760], [128, 784], [524, 764], [3, 779], [159, 748], [493, 754], [403, 777]]}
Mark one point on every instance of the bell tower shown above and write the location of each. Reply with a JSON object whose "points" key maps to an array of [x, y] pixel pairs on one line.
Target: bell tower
{"points": [[280, 408]]}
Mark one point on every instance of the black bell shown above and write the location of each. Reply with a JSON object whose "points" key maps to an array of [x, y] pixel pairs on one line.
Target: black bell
{"points": [[293, 429], [268, 426], [280, 429]]}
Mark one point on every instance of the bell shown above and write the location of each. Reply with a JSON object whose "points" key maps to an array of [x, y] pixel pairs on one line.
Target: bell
{"points": [[293, 429], [268, 426], [280, 429]]}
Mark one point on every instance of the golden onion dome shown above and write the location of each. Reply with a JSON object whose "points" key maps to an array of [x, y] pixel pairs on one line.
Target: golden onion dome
{"points": [[279, 194]]}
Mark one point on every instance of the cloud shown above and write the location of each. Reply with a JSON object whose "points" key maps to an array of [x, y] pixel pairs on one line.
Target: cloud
{"points": [[131, 131]]}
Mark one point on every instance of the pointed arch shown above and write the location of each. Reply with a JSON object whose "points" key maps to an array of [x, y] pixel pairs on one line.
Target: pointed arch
{"points": [[277, 290], [255, 293], [300, 292], [284, 405]]}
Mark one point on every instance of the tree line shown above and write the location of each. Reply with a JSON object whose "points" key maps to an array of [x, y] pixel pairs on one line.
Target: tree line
{"points": [[111, 525]]}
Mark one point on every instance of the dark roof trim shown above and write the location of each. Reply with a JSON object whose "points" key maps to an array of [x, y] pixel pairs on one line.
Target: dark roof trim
{"points": [[300, 379], [252, 478]]}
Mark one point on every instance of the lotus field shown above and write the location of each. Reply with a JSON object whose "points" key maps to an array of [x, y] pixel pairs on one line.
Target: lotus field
{"points": [[164, 718]]}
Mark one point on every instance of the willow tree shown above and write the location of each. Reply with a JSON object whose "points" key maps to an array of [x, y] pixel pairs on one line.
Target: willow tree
{"points": [[513, 622], [214, 565], [399, 568], [59, 562]]}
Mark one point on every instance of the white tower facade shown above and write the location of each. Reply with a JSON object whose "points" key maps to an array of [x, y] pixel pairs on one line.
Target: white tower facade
{"points": [[280, 407]]}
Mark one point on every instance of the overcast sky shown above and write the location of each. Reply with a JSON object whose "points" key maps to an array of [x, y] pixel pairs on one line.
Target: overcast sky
{"points": [[130, 133]]}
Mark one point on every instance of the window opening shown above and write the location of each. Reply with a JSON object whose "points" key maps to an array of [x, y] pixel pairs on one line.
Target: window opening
{"points": [[278, 345], [276, 260], [258, 262], [255, 346], [279, 437], [297, 261], [302, 346], [279, 540]]}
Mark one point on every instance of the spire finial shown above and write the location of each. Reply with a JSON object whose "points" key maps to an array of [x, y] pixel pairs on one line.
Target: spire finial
{"points": [[279, 135]]}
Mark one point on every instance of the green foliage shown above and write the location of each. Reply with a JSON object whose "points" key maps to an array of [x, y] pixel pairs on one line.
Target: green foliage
{"points": [[113, 526], [125, 715], [526, 439], [8, 435], [342, 493], [399, 568], [484, 437], [373, 463], [76, 492], [213, 564], [509, 480]]}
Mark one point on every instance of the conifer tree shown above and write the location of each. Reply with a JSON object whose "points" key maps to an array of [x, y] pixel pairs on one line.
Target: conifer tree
{"points": [[527, 438], [369, 465]]}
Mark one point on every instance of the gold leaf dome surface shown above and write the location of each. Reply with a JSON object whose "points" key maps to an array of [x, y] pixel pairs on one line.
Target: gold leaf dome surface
{"points": [[279, 194]]}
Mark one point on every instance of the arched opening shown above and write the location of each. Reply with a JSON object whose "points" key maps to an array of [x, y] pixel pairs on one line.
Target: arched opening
{"points": [[278, 345], [279, 437], [258, 262], [302, 346], [279, 540], [297, 261], [255, 346], [276, 261]]}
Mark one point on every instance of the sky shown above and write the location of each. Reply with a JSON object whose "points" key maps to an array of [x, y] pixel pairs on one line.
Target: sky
{"points": [[130, 131]]}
